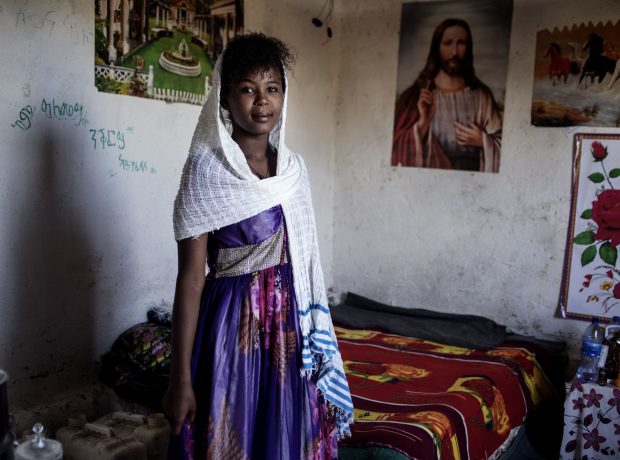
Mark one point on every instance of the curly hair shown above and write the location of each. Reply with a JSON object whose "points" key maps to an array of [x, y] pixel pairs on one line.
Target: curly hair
{"points": [[247, 54]]}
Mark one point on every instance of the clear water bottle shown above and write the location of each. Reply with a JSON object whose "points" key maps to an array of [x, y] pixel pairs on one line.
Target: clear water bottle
{"points": [[38, 447], [591, 352]]}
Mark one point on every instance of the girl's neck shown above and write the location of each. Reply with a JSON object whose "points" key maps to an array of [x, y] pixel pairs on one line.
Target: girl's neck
{"points": [[260, 156], [252, 148]]}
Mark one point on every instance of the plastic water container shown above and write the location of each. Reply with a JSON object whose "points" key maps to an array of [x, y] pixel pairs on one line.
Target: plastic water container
{"points": [[153, 431], [592, 342], [116, 436], [91, 441]]}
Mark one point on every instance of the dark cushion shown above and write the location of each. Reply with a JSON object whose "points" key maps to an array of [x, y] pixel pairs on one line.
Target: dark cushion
{"points": [[468, 331]]}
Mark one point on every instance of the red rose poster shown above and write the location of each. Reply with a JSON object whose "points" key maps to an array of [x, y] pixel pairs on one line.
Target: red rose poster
{"points": [[591, 284]]}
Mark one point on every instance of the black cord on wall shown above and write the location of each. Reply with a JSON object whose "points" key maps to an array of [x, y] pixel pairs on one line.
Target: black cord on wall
{"points": [[324, 18]]}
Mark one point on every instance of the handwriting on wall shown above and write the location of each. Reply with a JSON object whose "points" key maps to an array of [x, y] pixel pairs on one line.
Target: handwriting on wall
{"points": [[108, 138], [25, 118], [72, 111], [64, 111], [135, 166], [102, 139], [48, 22], [35, 20], [53, 20], [79, 35]]}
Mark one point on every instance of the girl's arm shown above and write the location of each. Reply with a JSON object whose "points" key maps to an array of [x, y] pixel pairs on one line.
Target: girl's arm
{"points": [[179, 402]]}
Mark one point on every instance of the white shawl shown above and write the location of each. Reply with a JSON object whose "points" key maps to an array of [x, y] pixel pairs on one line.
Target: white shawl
{"points": [[218, 189]]}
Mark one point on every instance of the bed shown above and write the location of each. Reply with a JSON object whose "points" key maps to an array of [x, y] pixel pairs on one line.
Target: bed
{"points": [[425, 385], [476, 393]]}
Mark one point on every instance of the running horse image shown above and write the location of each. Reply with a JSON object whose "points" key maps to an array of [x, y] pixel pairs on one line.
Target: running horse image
{"points": [[596, 64], [610, 52], [560, 66]]}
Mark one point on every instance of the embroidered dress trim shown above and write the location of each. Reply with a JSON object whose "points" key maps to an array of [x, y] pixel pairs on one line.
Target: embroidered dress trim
{"points": [[252, 257]]}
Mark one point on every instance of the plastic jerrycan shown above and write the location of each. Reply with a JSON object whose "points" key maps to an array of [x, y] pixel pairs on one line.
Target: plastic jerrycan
{"points": [[93, 441], [153, 431]]}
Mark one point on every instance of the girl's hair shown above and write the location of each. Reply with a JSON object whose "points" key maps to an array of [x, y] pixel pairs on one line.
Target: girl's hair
{"points": [[255, 52]]}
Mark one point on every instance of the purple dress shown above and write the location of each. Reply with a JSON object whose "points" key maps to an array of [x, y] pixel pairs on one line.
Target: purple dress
{"points": [[252, 401]]}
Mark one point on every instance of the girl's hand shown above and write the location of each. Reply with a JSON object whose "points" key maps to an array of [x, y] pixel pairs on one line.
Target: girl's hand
{"points": [[179, 404], [469, 134]]}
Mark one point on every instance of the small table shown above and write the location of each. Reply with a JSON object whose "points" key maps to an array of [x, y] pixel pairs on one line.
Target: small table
{"points": [[591, 422]]}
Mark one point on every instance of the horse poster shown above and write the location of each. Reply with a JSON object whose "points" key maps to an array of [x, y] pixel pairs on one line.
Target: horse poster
{"points": [[577, 76]]}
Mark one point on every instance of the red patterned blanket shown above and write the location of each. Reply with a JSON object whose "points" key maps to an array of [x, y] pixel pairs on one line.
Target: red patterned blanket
{"points": [[430, 401]]}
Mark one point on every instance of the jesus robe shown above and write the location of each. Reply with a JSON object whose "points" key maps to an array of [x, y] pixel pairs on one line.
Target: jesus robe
{"points": [[439, 148]]}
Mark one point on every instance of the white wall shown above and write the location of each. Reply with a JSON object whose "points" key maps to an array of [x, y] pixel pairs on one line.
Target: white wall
{"points": [[88, 247], [488, 244]]}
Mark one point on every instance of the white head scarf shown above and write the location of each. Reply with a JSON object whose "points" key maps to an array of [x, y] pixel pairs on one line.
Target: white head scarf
{"points": [[218, 189]]}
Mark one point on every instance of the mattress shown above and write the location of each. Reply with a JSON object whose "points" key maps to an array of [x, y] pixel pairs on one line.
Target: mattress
{"points": [[424, 399]]}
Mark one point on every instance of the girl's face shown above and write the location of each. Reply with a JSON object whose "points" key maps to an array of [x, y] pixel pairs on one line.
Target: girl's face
{"points": [[255, 103]]}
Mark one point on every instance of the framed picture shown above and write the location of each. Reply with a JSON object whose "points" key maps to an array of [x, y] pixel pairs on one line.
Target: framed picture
{"points": [[576, 75], [591, 281], [448, 112], [163, 49]]}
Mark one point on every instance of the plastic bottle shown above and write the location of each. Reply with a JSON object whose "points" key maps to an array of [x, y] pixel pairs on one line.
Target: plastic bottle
{"points": [[38, 447], [590, 352]]}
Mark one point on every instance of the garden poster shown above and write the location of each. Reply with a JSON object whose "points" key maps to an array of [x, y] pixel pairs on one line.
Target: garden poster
{"points": [[162, 49], [591, 283]]}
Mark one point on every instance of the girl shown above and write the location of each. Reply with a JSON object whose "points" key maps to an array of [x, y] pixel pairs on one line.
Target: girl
{"points": [[256, 372]]}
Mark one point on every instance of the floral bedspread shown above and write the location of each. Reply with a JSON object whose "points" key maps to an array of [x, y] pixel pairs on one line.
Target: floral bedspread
{"points": [[428, 400], [591, 422]]}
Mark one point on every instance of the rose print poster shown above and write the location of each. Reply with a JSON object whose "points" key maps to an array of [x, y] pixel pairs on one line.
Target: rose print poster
{"points": [[591, 284]]}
